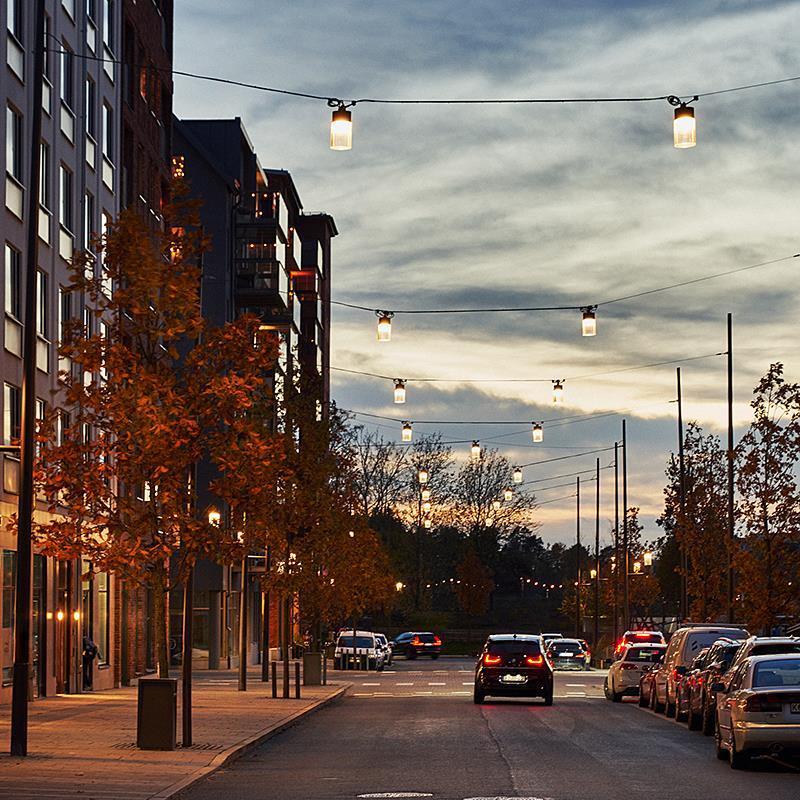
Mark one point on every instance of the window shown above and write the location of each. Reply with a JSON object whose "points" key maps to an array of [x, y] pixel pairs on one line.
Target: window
{"points": [[41, 413], [8, 569], [62, 424], [91, 103], [65, 206], [64, 312], [14, 143], [87, 321], [41, 303], [101, 632], [108, 24], [13, 297], [11, 413], [88, 221], [67, 75], [91, 9], [108, 133], [14, 18], [48, 45], [44, 176]]}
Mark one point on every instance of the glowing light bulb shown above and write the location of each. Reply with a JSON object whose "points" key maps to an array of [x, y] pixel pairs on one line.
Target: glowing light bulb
{"points": [[517, 475], [558, 392], [384, 326], [427, 523], [426, 494], [496, 505], [422, 477], [214, 517], [589, 321], [341, 129], [475, 450], [537, 430], [684, 127], [399, 391], [508, 494], [407, 432]]}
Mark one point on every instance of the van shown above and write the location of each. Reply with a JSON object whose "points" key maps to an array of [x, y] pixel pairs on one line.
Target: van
{"points": [[685, 644]]}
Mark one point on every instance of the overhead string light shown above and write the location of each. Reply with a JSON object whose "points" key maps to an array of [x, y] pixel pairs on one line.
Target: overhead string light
{"points": [[399, 390], [684, 124], [537, 430], [496, 504], [475, 450], [407, 432], [589, 321], [341, 125], [508, 495], [384, 325], [517, 475], [425, 493], [558, 392], [422, 477]]}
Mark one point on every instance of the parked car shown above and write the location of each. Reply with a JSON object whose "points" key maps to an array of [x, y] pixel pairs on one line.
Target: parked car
{"points": [[758, 712], [684, 645], [764, 646], [647, 695], [548, 637], [686, 684], [415, 643], [587, 650], [701, 698], [387, 648], [365, 651], [638, 637], [566, 654], [625, 674], [513, 665]]}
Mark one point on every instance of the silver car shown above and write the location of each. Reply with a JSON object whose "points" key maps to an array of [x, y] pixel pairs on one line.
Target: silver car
{"points": [[624, 674], [759, 710]]}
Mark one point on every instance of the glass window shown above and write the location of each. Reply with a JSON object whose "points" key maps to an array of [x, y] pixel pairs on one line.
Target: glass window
{"points": [[88, 221], [12, 281], [14, 143], [101, 631], [64, 311], [11, 413], [648, 655], [41, 303], [66, 212], [91, 9], [44, 176], [108, 133], [108, 24], [7, 598], [519, 648], [48, 45], [90, 110], [67, 75], [14, 18]]}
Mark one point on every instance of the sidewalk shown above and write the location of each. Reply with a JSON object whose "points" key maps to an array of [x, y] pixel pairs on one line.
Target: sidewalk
{"points": [[84, 746]]}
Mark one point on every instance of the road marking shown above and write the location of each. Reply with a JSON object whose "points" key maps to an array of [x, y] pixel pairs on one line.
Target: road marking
{"points": [[503, 797], [405, 684], [396, 794], [430, 683], [370, 684], [416, 693], [578, 685], [468, 683], [460, 692]]}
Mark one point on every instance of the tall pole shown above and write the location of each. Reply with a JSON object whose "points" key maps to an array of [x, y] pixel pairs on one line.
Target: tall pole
{"points": [[625, 544], [24, 600], [617, 560], [243, 611], [597, 558], [731, 521], [684, 607], [186, 660], [578, 558], [265, 614]]}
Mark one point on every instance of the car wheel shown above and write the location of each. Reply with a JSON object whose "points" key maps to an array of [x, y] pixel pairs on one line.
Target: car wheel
{"points": [[372, 663], [478, 696], [739, 759], [656, 706], [707, 724], [411, 654], [669, 708], [548, 696], [643, 701], [693, 721], [606, 690], [680, 713], [720, 751]]}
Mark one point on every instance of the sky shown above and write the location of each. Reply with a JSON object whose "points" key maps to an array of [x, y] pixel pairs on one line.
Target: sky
{"points": [[534, 205]]}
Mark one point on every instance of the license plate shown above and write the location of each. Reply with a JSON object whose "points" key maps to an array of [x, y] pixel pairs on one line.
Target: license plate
{"points": [[565, 655], [794, 708], [513, 679]]}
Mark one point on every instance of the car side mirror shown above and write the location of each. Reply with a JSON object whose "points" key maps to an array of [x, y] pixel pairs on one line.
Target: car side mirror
{"points": [[681, 670], [719, 687]]}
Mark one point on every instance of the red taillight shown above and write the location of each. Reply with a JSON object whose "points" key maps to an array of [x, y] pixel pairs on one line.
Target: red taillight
{"points": [[534, 661], [763, 703], [416, 641], [491, 661], [437, 641], [675, 675], [699, 680]]}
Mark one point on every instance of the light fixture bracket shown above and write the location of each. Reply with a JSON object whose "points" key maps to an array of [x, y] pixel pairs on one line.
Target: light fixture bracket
{"points": [[335, 102], [676, 101]]}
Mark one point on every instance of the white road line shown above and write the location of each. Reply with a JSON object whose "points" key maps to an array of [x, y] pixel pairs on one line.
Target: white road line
{"points": [[405, 684], [396, 794], [460, 692], [370, 684], [423, 693], [430, 683], [468, 683], [578, 685]]}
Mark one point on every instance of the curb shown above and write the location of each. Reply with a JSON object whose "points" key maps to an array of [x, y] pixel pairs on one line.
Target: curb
{"points": [[244, 746]]}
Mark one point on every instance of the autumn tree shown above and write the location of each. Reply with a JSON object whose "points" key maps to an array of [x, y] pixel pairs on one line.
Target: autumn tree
{"points": [[767, 558], [379, 472]]}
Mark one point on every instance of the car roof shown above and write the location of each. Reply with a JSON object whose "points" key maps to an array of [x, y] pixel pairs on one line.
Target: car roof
{"points": [[772, 657], [630, 645], [349, 632], [501, 637], [773, 640], [566, 639]]}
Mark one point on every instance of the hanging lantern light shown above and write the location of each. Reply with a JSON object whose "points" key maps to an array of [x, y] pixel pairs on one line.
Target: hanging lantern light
{"points": [[384, 325], [592, 573], [422, 477], [537, 429], [214, 517], [427, 523], [399, 390], [637, 567], [684, 125], [407, 432], [517, 475], [426, 506], [589, 321], [508, 495], [496, 505], [475, 450], [341, 127], [351, 534], [647, 558], [426, 494], [558, 392]]}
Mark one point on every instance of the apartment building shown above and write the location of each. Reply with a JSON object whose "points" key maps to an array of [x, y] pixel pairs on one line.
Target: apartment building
{"points": [[79, 196]]}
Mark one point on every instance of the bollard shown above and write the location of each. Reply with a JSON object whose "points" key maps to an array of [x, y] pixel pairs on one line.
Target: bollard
{"points": [[274, 680], [296, 680], [324, 669]]}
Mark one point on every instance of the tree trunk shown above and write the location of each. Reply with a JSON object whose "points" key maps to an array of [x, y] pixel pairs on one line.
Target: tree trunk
{"points": [[159, 586]]}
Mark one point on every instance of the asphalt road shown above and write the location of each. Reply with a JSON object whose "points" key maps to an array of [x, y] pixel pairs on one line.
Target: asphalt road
{"points": [[413, 731]]}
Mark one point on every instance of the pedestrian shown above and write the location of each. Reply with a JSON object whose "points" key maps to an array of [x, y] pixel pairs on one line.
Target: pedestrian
{"points": [[90, 653]]}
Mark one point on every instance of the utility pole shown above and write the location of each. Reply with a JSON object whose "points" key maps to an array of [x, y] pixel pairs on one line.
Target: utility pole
{"points": [[243, 610], [24, 600], [597, 559], [186, 660], [578, 559], [731, 521], [684, 606], [617, 559], [625, 544]]}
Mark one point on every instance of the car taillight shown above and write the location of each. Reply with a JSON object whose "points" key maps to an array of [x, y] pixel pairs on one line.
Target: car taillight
{"points": [[534, 661], [416, 641], [437, 641], [700, 680], [675, 675], [762, 703], [491, 661]]}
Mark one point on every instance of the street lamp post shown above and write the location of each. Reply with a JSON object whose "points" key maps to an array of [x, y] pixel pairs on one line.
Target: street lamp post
{"points": [[597, 559], [731, 528], [578, 558], [625, 543], [616, 543], [684, 606]]}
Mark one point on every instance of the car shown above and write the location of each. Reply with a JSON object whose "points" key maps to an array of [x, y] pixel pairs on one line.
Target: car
{"points": [[513, 665], [758, 711], [387, 649], [686, 685], [638, 637], [548, 637], [625, 673], [684, 645], [646, 693], [701, 700], [587, 650], [416, 643], [764, 646], [367, 651], [566, 654]]}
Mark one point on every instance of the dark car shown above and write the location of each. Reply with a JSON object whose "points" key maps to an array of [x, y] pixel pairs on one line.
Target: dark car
{"points": [[513, 665], [701, 701], [415, 643], [646, 691], [567, 654], [686, 685]]}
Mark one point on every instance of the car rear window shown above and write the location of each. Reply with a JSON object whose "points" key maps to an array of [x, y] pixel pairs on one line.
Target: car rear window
{"points": [[425, 637], [642, 636], [511, 648], [566, 647], [778, 673], [774, 649], [697, 640], [645, 655], [346, 640]]}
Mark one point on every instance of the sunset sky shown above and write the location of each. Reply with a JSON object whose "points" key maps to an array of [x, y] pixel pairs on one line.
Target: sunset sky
{"points": [[455, 206]]}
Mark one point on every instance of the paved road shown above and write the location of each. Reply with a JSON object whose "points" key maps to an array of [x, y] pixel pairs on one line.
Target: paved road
{"points": [[414, 729]]}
